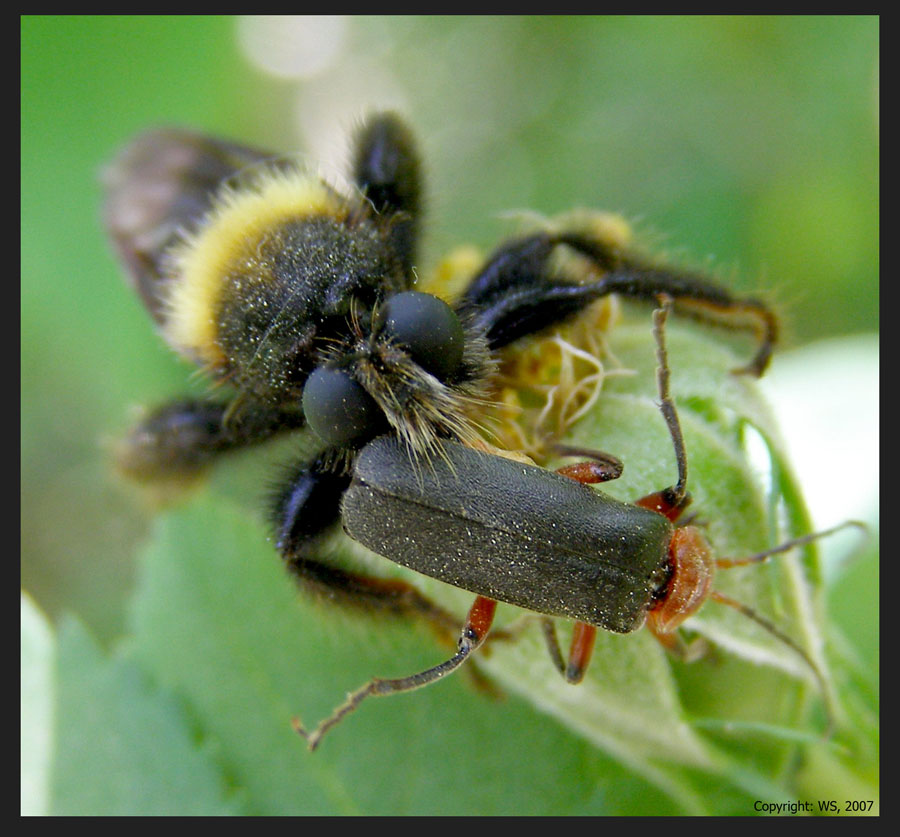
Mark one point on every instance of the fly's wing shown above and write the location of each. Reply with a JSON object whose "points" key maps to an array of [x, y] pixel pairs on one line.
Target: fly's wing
{"points": [[159, 187]]}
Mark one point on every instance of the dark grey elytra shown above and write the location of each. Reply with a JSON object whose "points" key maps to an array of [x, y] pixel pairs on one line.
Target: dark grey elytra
{"points": [[511, 532]]}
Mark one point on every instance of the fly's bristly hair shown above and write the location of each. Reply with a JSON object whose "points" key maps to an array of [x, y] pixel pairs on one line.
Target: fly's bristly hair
{"points": [[231, 304], [421, 409]]}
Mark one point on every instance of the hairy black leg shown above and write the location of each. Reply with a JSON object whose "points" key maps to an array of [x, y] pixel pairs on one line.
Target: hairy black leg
{"points": [[307, 506], [305, 509], [184, 436], [515, 294], [386, 168]]}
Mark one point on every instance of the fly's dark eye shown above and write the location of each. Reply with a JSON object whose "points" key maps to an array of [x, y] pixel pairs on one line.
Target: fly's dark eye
{"points": [[338, 409], [429, 329]]}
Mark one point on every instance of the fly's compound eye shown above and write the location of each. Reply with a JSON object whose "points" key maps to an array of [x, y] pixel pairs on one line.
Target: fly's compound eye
{"points": [[428, 329], [338, 409]]}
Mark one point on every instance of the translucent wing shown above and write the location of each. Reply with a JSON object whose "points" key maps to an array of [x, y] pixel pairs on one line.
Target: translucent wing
{"points": [[158, 187]]}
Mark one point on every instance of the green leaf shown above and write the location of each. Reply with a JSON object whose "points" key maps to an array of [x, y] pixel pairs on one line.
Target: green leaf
{"points": [[632, 702], [122, 748], [225, 652], [219, 622]]}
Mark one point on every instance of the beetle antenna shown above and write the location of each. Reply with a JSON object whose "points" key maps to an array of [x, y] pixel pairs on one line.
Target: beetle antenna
{"points": [[750, 613], [667, 406], [768, 626], [759, 557]]}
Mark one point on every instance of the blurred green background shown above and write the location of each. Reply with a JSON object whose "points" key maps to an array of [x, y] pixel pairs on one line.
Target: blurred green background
{"points": [[752, 142]]}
